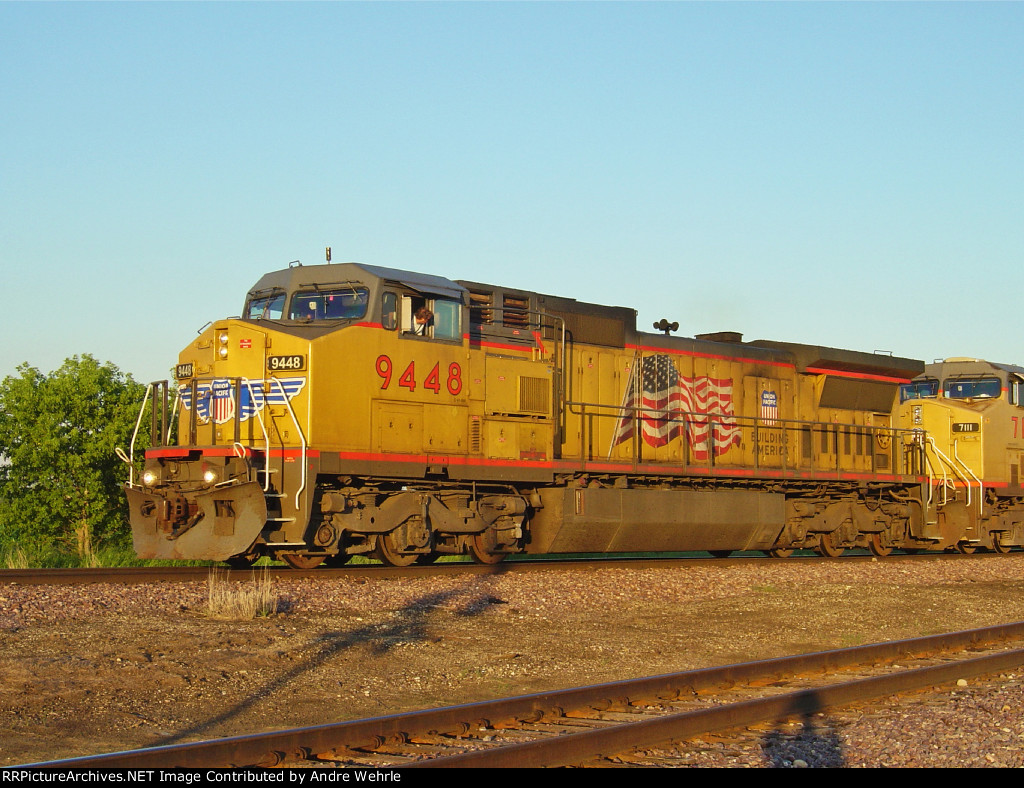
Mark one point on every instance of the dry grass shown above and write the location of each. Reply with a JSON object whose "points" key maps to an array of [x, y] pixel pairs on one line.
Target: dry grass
{"points": [[16, 558], [235, 601]]}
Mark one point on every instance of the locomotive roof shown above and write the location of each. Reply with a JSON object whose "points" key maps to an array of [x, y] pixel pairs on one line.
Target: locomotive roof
{"points": [[969, 366], [815, 357], [806, 357], [298, 276]]}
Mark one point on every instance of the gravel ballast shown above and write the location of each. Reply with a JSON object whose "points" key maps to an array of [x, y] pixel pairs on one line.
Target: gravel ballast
{"points": [[105, 667]]}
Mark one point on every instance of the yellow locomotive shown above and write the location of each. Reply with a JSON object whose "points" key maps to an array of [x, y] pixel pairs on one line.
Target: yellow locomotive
{"points": [[971, 417], [359, 410]]}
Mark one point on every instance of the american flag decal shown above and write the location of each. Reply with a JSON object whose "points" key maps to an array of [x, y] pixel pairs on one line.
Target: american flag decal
{"points": [[667, 405]]}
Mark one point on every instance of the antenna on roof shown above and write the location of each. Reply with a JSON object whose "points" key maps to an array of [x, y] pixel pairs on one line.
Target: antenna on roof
{"points": [[328, 255]]}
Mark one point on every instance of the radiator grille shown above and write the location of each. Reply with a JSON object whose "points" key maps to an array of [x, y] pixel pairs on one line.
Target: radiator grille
{"points": [[533, 394]]}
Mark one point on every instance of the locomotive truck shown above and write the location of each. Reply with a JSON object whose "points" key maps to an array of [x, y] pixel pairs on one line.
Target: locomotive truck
{"points": [[328, 421]]}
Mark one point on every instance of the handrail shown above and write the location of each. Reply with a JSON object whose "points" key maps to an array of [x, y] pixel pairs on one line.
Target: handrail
{"points": [[135, 434], [981, 486], [266, 435], [302, 436], [953, 467], [789, 428], [173, 420], [930, 468], [239, 382]]}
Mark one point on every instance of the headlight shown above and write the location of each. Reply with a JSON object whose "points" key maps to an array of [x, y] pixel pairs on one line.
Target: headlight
{"points": [[149, 478], [915, 413], [209, 476], [223, 352]]}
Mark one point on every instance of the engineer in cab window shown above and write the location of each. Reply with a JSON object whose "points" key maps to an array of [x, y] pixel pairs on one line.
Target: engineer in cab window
{"points": [[421, 321]]}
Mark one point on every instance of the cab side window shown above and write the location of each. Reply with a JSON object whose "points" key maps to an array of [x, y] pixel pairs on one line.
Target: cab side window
{"points": [[1017, 391], [447, 314], [417, 317], [389, 311], [439, 318]]}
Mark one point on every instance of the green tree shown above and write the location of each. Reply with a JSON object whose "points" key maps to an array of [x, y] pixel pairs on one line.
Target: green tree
{"points": [[60, 480]]}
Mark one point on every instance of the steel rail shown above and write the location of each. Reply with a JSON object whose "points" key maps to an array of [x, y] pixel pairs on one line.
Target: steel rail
{"points": [[150, 574], [580, 748], [274, 748]]}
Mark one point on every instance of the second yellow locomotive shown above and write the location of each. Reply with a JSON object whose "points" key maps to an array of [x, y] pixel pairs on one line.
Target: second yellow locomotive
{"points": [[359, 410], [970, 418]]}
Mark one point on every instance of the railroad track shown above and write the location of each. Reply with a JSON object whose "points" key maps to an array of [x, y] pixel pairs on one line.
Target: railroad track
{"points": [[588, 725], [152, 574]]}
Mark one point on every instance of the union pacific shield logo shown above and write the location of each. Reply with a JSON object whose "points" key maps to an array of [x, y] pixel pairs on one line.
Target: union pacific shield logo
{"points": [[769, 408], [223, 401], [216, 399]]}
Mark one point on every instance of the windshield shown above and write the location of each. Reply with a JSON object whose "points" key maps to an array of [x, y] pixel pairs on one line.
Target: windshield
{"points": [[919, 389], [347, 303], [968, 388], [270, 307]]}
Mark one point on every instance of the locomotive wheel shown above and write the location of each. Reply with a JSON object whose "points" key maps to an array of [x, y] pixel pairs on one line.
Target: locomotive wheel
{"points": [[387, 552], [966, 548], [827, 546], [878, 547], [482, 548], [296, 561], [781, 552], [997, 543]]}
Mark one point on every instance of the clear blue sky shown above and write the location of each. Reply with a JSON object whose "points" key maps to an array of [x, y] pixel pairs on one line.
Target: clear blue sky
{"points": [[831, 173]]}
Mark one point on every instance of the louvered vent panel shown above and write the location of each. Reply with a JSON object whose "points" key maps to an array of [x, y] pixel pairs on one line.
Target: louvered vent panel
{"points": [[481, 307], [533, 394], [474, 435], [515, 312]]}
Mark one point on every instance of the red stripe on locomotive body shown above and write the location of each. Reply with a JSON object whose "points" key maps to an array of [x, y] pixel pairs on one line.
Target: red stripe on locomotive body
{"points": [[171, 452], [567, 465], [856, 375]]}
